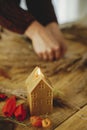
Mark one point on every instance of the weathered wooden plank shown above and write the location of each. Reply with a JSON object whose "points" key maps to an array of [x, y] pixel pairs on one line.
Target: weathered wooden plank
{"points": [[17, 53], [74, 97], [76, 122], [18, 60]]}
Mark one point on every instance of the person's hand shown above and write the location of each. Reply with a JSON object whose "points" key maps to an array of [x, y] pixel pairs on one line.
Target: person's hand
{"points": [[44, 42], [57, 34]]}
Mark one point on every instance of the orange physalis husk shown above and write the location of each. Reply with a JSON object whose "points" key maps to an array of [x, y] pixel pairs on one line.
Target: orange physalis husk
{"points": [[46, 123], [9, 107], [36, 121], [20, 113]]}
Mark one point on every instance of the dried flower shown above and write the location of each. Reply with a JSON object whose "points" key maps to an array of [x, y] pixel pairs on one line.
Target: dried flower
{"points": [[20, 113], [2, 97], [9, 107], [36, 121], [46, 122]]}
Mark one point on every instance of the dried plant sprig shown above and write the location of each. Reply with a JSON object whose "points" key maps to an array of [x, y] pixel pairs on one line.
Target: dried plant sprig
{"points": [[2, 118]]}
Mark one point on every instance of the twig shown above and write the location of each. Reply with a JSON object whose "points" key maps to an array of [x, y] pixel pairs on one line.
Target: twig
{"points": [[13, 121]]}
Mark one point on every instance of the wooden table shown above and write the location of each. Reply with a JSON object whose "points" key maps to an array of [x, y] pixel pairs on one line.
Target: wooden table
{"points": [[68, 77]]}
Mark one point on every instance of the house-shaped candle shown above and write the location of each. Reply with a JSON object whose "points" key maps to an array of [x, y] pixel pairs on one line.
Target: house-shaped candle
{"points": [[40, 93]]}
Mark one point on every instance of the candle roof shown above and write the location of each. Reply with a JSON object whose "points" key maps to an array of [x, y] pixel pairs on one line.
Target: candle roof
{"points": [[33, 80]]}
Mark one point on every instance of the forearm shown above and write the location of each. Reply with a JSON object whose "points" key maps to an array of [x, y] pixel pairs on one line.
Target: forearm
{"points": [[13, 17]]}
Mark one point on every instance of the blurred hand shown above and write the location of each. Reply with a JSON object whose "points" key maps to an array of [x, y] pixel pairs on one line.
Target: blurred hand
{"points": [[47, 43], [57, 34]]}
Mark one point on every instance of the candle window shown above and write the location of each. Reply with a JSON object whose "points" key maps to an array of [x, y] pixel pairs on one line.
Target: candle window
{"points": [[40, 92]]}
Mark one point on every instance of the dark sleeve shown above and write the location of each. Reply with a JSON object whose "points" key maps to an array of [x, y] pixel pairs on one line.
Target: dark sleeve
{"points": [[13, 17], [42, 10]]}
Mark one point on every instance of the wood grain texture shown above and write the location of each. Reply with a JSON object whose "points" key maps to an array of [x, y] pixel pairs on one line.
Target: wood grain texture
{"points": [[68, 75], [76, 122]]}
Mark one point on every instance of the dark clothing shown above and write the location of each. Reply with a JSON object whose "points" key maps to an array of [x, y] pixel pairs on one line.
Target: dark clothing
{"points": [[16, 19]]}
